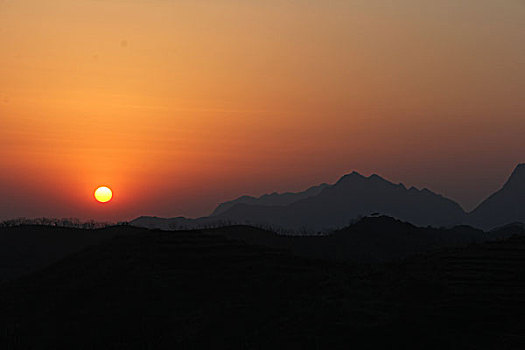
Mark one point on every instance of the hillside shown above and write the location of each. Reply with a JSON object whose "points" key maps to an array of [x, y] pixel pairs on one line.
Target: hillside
{"points": [[26, 248], [187, 289], [370, 240]]}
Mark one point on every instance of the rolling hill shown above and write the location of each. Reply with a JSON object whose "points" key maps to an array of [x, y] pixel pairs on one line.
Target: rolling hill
{"points": [[186, 289]]}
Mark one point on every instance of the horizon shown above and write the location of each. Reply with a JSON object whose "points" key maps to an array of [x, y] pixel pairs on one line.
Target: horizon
{"points": [[86, 220], [179, 106]]}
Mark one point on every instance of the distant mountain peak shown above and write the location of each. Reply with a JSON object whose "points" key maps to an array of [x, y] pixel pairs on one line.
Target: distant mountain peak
{"points": [[518, 175], [352, 196], [520, 168], [517, 178], [376, 177], [355, 176], [352, 175], [504, 206]]}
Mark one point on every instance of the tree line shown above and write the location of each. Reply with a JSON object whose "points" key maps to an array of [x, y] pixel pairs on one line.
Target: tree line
{"points": [[58, 222]]}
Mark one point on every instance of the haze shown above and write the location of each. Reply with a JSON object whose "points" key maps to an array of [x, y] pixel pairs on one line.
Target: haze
{"points": [[180, 105]]}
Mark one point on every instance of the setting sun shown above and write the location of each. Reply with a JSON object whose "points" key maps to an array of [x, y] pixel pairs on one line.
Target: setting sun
{"points": [[103, 194]]}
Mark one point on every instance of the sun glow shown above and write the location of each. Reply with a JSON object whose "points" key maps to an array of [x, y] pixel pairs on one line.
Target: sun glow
{"points": [[103, 194]]}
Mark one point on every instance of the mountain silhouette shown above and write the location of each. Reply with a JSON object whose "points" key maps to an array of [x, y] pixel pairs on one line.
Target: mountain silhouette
{"points": [[504, 206], [352, 196], [270, 199], [334, 206], [328, 207]]}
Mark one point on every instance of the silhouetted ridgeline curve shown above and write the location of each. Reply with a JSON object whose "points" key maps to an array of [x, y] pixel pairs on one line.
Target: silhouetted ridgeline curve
{"points": [[24, 249]]}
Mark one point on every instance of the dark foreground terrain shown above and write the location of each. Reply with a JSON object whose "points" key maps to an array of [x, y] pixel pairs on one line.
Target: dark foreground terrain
{"points": [[140, 289], [28, 248]]}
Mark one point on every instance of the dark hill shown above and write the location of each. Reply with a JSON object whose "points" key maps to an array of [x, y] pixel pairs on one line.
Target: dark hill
{"points": [[27, 248], [371, 239], [194, 289]]}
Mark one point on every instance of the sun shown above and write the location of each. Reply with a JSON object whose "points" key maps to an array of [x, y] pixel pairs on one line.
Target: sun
{"points": [[103, 194]]}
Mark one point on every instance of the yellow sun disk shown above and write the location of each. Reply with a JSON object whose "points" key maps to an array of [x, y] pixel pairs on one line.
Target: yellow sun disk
{"points": [[103, 194]]}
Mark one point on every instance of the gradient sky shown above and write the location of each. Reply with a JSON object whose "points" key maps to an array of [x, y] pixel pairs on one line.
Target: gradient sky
{"points": [[178, 105]]}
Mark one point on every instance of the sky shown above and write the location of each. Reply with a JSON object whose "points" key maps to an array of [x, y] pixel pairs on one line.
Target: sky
{"points": [[178, 105]]}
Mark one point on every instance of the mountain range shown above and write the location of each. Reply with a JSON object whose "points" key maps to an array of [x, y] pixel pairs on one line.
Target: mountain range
{"points": [[328, 207]]}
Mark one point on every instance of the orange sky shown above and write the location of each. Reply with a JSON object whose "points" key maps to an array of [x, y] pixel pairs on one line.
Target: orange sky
{"points": [[179, 105]]}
